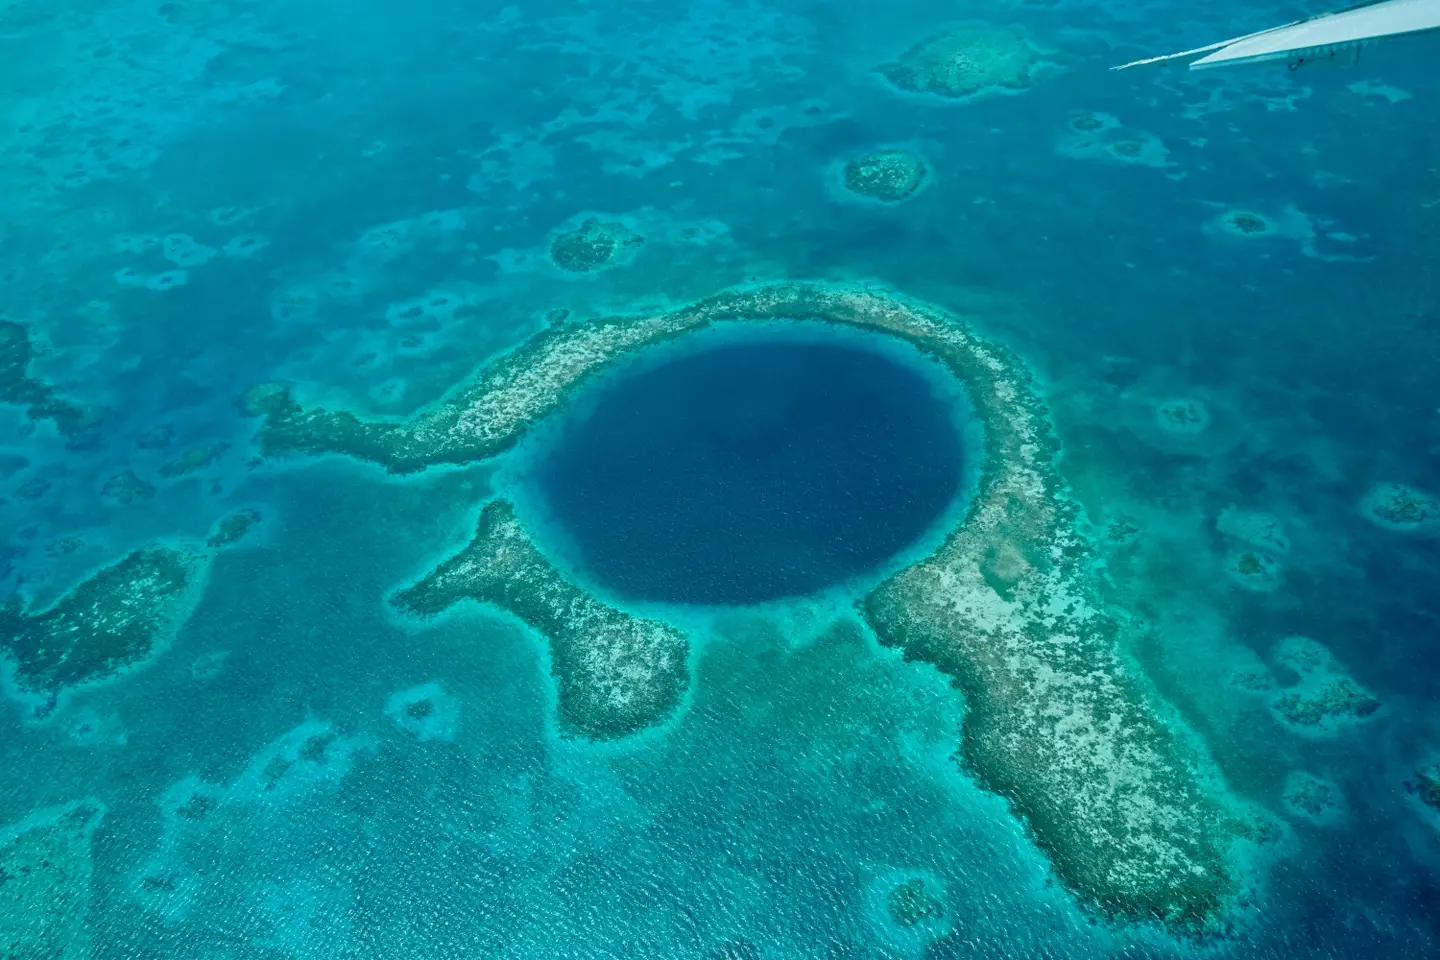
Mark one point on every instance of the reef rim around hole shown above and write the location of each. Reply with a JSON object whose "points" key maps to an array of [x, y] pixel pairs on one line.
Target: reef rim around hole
{"points": [[1059, 721]]}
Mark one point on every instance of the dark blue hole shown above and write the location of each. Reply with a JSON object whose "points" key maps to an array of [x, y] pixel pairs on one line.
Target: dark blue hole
{"points": [[752, 470]]}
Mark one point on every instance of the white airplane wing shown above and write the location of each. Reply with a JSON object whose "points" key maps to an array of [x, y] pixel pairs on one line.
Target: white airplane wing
{"points": [[1317, 38]]}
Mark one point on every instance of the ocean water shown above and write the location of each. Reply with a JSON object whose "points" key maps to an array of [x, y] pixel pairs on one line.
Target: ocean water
{"points": [[363, 201], [769, 465]]}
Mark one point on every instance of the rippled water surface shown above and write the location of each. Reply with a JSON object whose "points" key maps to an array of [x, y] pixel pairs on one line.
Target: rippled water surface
{"points": [[1221, 285]]}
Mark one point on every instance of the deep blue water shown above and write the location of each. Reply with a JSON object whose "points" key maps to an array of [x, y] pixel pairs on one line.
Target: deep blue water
{"points": [[751, 471], [809, 768]]}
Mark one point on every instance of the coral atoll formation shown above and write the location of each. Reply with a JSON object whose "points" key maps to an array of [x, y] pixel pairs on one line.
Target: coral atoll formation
{"points": [[888, 176], [616, 673], [45, 882], [1058, 721], [117, 619], [594, 244], [967, 60], [40, 399]]}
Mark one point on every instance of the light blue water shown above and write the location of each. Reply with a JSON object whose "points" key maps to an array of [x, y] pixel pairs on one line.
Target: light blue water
{"points": [[810, 770]]}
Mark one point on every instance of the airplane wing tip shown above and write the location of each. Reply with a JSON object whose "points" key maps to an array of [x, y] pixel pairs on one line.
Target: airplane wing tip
{"points": [[1318, 37]]}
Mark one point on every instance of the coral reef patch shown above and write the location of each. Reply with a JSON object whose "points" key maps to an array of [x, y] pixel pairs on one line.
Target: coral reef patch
{"points": [[45, 882], [910, 903], [594, 244], [1325, 704], [208, 666], [616, 673], [1120, 532], [311, 756], [1182, 416], [1325, 698], [1425, 785], [234, 527], [1253, 569], [156, 438], [967, 60], [87, 727], [1255, 528], [126, 488], [204, 824], [1394, 506], [34, 488], [1101, 136], [1312, 799], [1092, 123], [40, 399], [1059, 722], [1246, 223], [888, 176], [425, 712], [1252, 678], [908, 910], [116, 620], [197, 458], [1302, 655]]}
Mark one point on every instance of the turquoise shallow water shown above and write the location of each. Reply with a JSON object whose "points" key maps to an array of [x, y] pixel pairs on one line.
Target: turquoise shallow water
{"points": [[361, 199]]}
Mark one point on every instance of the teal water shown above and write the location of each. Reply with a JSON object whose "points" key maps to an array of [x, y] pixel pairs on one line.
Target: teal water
{"points": [[320, 171]]}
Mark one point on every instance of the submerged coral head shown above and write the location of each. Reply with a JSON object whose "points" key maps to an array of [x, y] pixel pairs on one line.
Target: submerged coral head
{"points": [[888, 176]]}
